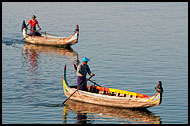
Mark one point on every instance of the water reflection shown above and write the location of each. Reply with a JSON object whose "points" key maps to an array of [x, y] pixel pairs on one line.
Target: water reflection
{"points": [[81, 118], [49, 49], [30, 58], [83, 110], [31, 54]]}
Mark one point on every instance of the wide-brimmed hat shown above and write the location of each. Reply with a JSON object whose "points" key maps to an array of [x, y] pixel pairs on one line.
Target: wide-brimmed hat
{"points": [[85, 59]]}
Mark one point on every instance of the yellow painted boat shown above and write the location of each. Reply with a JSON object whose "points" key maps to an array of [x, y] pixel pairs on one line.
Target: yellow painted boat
{"points": [[112, 97]]}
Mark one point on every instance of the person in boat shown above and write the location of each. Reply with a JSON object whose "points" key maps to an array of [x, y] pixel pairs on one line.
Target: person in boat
{"points": [[82, 70], [33, 22]]}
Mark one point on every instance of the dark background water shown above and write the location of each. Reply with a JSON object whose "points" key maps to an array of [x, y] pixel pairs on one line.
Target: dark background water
{"points": [[131, 47]]}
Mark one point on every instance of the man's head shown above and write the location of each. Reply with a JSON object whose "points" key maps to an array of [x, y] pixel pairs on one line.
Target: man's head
{"points": [[33, 17], [85, 60]]}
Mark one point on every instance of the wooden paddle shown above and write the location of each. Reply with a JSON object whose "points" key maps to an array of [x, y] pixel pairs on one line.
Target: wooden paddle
{"points": [[89, 80], [95, 83], [44, 32], [77, 89], [48, 33]]}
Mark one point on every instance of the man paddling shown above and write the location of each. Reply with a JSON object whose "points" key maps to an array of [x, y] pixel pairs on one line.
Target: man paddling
{"points": [[82, 70], [33, 22]]}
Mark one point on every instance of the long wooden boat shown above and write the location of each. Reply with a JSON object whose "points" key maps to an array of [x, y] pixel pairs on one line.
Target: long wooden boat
{"points": [[128, 115], [51, 40], [112, 97]]}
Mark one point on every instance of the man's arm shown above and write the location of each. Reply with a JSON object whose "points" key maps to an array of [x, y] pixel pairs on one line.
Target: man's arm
{"points": [[38, 25], [89, 71], [28, 23]]}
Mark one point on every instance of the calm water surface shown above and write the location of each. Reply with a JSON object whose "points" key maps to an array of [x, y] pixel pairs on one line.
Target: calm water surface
{"points": [[131, 46]]}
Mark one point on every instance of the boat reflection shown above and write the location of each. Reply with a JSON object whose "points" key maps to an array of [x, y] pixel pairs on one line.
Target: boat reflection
{"points": [[49, 49], [82, 118], [143, 116], [32, 52], [30, 58]]}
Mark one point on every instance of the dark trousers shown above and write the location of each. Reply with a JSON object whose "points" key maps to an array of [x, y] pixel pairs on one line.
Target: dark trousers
{"points": [[33, 31], [80, 81]]}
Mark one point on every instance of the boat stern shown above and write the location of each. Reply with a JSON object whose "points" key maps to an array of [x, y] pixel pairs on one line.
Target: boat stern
{"points": [[24, 31], [159, 90], [74, 38], [157, 98], [77, 32], [77, 29], [65, 84]]}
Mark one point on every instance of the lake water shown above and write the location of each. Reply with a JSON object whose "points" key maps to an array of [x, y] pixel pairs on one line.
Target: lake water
{"points": [[131, 47]]}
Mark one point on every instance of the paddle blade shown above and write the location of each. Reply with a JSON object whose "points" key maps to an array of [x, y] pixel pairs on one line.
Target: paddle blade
{"points": [[23, 25]]}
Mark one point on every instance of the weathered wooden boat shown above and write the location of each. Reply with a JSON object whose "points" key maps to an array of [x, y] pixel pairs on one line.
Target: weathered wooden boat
{"points": [[130, 115], [44, 39], [112, 97]]}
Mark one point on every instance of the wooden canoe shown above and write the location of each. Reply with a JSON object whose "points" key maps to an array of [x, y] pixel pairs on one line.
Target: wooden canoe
{"points": [[130, 115], [51, 41], [112, 97]]}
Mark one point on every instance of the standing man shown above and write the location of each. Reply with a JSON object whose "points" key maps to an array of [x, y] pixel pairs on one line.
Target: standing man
{"points": [[82, 70], [33, 22]]}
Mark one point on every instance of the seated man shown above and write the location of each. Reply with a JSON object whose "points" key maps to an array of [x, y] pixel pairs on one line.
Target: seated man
{"points": [[33, 22]]}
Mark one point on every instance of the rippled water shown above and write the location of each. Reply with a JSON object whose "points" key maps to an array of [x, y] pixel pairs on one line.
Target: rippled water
{"points": [[131, 47]]}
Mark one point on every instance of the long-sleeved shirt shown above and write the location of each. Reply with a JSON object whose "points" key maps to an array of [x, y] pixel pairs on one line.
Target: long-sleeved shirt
{"points": [[83, 69], [32, 22]]}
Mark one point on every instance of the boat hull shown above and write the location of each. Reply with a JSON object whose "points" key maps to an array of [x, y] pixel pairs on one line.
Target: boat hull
{"points": [[59, 42], [132, 100]]}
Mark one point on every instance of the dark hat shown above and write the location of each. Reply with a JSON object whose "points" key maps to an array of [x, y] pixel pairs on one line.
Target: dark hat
{"points": [[33, 16]]}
